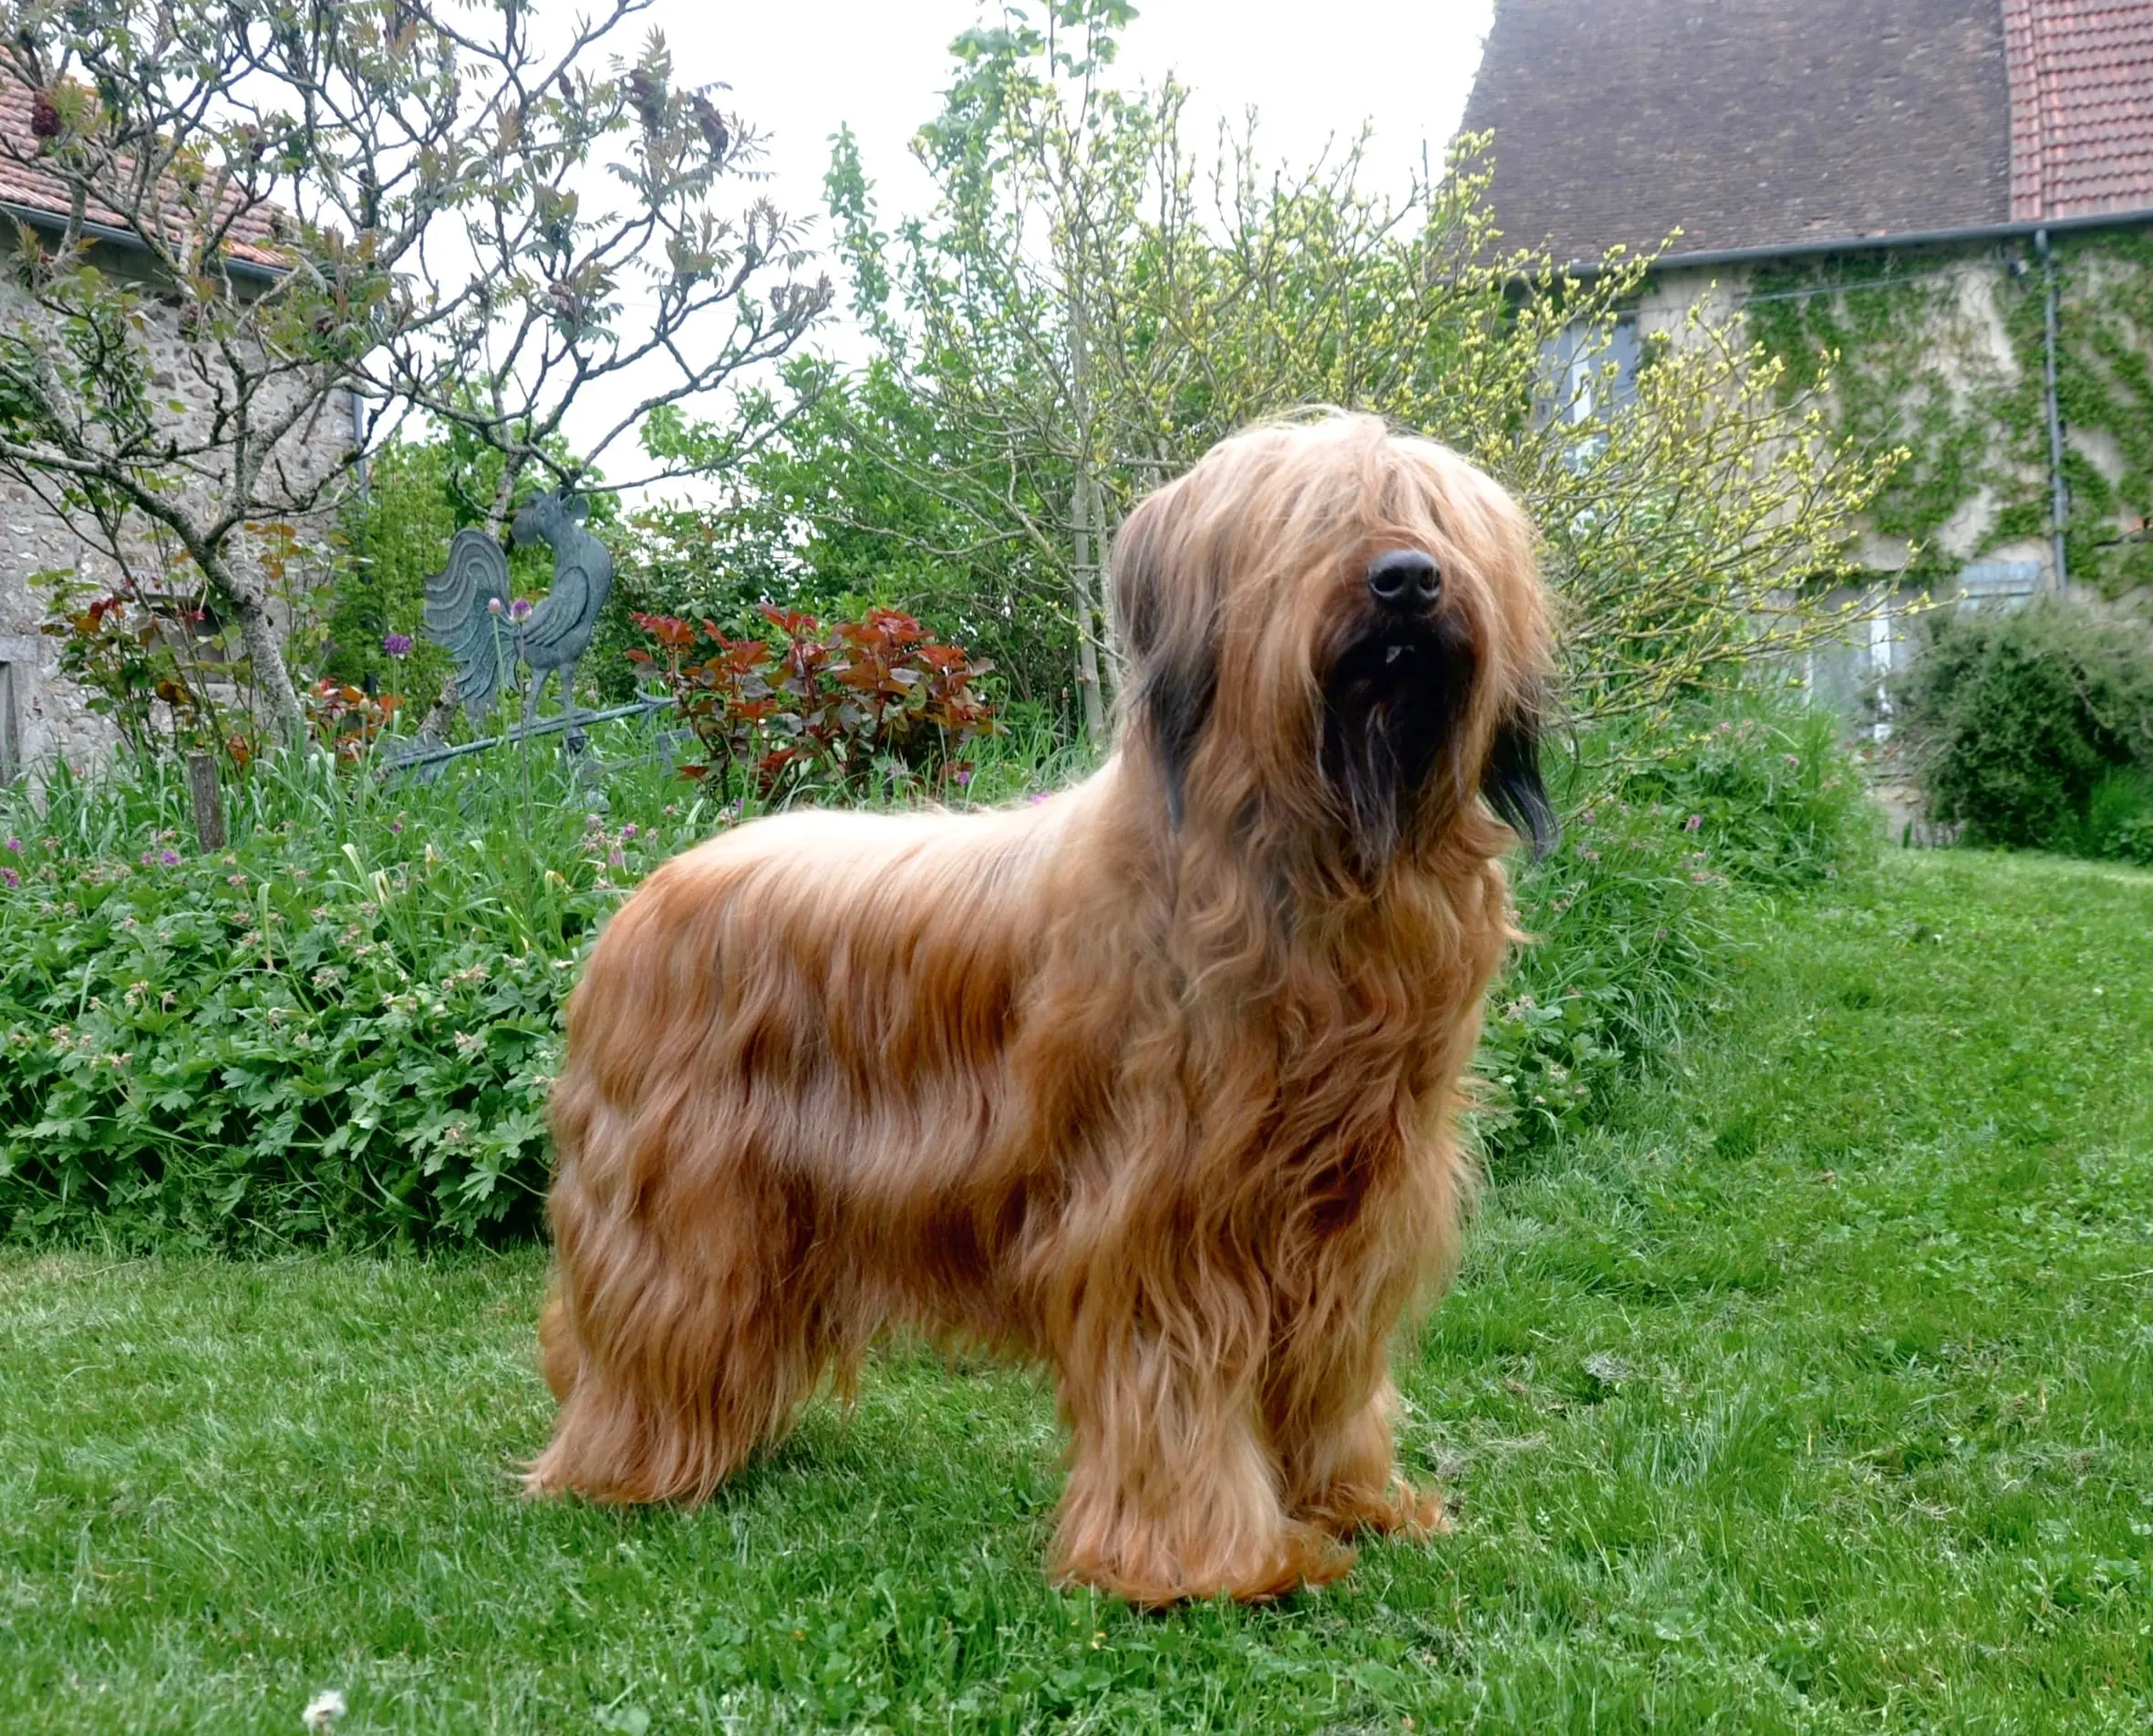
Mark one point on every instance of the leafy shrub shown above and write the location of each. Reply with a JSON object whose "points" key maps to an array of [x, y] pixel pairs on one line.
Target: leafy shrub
{"points": [[147, 671], [1755, 794], [2119, 818], [879, 692], [346, 720], [336, 1030], [2016, 719], [342, 1029]]}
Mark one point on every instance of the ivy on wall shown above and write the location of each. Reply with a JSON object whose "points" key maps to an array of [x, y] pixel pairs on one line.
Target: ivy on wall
{"points": [[2103, 385], [1919, 366]]}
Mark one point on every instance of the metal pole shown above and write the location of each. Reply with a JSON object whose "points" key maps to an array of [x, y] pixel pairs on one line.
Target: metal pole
{"points": [[2059, 498], [551, 726]]}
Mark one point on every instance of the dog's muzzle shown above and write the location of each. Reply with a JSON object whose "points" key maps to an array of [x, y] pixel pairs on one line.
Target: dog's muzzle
{"points": [[1405, 581]]}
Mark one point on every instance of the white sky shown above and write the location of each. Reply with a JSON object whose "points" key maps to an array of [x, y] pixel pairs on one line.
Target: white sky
{"points": [[1312, 71]]}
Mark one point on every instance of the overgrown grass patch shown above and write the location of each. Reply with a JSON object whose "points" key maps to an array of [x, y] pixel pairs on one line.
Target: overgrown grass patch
{"points": [[1811, 1390]]}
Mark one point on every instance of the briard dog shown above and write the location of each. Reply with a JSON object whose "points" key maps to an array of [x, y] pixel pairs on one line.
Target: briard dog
{"points": [[1152, 1081]]}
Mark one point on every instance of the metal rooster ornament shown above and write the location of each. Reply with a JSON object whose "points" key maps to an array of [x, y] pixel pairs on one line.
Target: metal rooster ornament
{"points": [[468, 613]]}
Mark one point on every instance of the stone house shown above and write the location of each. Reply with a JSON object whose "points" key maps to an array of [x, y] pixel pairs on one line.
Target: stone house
{"points": [[1955, 196], [42, 714]]}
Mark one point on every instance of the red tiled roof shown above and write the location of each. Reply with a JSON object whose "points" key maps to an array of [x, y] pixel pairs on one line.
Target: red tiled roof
{"points": [[26, 186], [2081, 107]]}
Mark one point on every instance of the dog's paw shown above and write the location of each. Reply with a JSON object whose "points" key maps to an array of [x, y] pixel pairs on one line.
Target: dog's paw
{"points": [[1302, 1556], [1403, 1511]]}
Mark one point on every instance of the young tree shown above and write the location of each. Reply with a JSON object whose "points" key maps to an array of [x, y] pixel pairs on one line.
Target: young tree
{"points": [[262, 207], [1086, 310]]}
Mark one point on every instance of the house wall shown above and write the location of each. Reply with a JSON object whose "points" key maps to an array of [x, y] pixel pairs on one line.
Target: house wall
{"points": [[43, 716], [1968, 343]]}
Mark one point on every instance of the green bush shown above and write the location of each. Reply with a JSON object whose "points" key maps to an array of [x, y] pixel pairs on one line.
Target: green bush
{"points": [[2119, 818], [340, 1030], [1730, 799], [2016, 720]]}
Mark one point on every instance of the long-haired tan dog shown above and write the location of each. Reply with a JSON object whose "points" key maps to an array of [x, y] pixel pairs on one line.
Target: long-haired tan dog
{"points": [[1152, 1081]]}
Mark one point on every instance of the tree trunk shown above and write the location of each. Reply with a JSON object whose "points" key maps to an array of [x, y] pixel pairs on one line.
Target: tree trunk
{"points": [[273, 682], [1084, 587], [1105, 527], [1083, 574]]}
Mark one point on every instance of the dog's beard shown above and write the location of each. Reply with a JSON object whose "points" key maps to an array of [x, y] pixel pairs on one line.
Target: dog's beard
{"points": [[1394, 702]]}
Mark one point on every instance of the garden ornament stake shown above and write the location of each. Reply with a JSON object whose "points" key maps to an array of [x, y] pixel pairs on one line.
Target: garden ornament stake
{"points": [[468, 613]]}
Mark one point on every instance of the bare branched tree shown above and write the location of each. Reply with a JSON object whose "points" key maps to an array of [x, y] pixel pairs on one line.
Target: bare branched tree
{"points": [[250, 210]]}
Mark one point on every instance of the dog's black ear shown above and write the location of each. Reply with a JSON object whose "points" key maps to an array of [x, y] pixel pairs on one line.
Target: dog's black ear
{"points": [[1513, 785], [1176, 699], [1171, 645]]}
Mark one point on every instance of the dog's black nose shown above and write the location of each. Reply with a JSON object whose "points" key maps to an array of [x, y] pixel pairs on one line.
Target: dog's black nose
{"points": [[1404, 579]]}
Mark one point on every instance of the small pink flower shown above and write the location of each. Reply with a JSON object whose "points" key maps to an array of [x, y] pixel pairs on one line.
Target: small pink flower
{"points": [[169, 858], [15, 844], [1693, 822], [493, 606], [519, 610], [11, 877]]}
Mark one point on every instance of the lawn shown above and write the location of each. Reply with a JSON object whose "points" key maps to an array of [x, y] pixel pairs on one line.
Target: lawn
{"points": [[1814, 1391]]}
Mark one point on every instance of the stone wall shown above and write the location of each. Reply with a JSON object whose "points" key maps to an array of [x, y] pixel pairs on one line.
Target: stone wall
{"points": [[42, 715]]}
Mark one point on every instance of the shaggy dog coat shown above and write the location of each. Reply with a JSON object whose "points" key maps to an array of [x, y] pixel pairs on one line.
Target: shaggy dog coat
{"points": [[1150, 1081]]}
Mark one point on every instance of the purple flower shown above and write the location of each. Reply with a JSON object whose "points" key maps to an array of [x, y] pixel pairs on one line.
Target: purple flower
{"points": [[1693, 822], [11, 877], [169, 858], [519, 610], [627, 833], [397, 645], [964, 776], [15, 844]]}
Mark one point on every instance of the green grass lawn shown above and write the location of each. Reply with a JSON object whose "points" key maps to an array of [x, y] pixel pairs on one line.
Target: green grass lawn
{"points": [[1815, 1392]]}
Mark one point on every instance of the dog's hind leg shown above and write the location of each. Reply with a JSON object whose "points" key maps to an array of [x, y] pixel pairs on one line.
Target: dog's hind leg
{"points": [[680, 1340]]}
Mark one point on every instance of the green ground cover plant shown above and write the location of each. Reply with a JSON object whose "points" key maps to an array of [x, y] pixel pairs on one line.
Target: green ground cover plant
{"points": [[340, 1029], [1808, 1390]]}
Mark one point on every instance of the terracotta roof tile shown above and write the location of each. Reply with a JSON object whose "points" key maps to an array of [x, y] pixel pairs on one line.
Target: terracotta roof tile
{"points": [[2081, 107], [28, 187]]}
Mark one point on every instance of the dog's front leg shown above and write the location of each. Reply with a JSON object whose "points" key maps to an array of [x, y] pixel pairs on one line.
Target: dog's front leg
{"points": [[1172, 1492], [1340, 1466]]}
